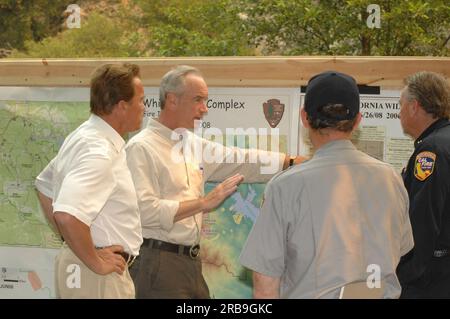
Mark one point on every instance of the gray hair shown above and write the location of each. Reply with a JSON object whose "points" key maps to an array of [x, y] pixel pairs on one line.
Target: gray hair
{"points": [[174, 81], [432, 92]]}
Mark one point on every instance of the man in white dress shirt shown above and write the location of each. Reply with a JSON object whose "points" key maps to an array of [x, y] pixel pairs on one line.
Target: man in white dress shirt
{"points": [[169, 179], [88, 195]]}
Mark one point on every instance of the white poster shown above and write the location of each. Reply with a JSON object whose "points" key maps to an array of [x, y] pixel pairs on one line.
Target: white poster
{"points": [[379, 134], [243, 108]]}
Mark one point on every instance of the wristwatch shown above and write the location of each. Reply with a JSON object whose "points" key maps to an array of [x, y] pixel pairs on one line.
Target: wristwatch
{"points": [[291, 161]]}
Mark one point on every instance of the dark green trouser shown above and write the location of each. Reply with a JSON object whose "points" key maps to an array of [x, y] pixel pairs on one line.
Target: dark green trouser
{"points": [[160, 274]]}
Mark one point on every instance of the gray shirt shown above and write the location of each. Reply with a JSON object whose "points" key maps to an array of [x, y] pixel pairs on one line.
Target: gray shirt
{"points": [[325, 222]]}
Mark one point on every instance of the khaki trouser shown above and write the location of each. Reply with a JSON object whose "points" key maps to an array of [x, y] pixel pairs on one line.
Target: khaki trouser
{"points": [[75, 280]]}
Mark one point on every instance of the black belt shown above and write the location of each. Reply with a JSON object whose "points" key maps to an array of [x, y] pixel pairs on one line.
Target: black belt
{"points": [[441, 253], [191, 251]]}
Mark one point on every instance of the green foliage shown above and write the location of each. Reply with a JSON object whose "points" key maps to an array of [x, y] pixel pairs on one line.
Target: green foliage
{"points": [[99, 36], [22, 20], [197, 27], [139, 28], [294, 27]]}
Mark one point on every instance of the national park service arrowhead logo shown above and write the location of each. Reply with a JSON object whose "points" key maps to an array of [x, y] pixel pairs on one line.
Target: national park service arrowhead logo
{"points": [[273, 111]]}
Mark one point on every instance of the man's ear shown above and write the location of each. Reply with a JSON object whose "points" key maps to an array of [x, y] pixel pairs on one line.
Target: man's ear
{"points": [[414, 107], [122, 106], [304, 117], [171, 100], [358, 120]]}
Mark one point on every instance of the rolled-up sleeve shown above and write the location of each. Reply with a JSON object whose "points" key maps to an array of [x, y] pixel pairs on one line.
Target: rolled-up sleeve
{"points": [[155, 211]]}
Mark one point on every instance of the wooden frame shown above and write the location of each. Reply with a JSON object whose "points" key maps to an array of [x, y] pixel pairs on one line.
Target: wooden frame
{"points": [[387, 72]]}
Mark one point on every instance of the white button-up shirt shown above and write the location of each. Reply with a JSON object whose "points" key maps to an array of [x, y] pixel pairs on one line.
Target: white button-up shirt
{"points": [[89, 179], [166, 171]]}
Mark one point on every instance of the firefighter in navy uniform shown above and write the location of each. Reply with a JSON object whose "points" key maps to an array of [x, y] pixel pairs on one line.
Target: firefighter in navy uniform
{"points": [[424, 114]]}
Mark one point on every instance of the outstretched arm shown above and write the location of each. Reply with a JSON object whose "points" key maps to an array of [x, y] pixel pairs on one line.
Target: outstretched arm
{"points": [[296, 160]]}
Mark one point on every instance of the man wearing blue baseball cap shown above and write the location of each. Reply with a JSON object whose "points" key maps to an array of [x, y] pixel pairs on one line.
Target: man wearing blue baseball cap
{"points": [[336, 222]]}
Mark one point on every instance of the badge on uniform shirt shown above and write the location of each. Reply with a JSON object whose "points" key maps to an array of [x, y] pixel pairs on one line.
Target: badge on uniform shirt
{"points": [[424, 165]]}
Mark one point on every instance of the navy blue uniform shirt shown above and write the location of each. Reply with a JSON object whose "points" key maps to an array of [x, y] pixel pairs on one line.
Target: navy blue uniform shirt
{"points": [[427, 180]]}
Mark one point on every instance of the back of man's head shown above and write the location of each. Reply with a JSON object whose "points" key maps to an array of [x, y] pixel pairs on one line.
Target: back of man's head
{"points": [[332, 101], [174, 81], [431, 91], [110, 84]]}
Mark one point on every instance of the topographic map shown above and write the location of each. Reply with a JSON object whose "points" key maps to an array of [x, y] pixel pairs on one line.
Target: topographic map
{"points": [[30, 136], [225, 231]]}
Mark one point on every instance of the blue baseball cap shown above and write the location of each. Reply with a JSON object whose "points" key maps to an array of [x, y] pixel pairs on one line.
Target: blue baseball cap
{"points": [[331, 87]]}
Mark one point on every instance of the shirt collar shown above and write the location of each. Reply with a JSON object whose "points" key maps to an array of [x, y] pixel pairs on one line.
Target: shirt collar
{"points": [[166, 132], [436, 125], [335, 146], [107, 131]]}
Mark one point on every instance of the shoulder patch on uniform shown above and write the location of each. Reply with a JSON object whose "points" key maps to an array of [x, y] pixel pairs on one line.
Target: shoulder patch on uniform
{"points": [[424, 165]]}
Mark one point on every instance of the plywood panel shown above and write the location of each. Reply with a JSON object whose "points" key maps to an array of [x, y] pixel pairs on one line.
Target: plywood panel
{"points": [[387, 72]]}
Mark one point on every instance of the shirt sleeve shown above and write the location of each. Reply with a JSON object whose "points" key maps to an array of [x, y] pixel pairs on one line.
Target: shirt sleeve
{"points": [[427, 203], [156, 212], [265, 248], [87, 185], [257, 166], [44, 181]]}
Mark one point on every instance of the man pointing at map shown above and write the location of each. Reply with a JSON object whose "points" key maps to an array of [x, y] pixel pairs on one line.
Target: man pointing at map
{"points": [[169, 177]]}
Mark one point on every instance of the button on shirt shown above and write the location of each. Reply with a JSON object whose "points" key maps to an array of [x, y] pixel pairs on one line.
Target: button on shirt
{"points": [[169, 167], [89, 179], [325, 221]]}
